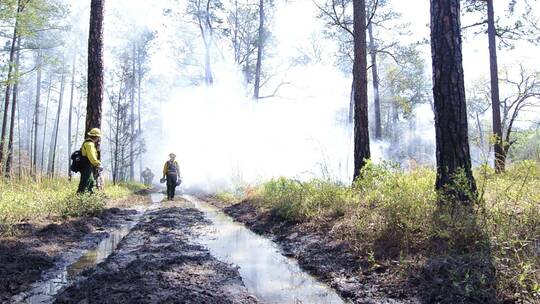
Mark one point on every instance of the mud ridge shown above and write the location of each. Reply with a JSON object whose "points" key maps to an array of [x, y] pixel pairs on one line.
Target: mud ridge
{"points": [[319, 254], [156, 263], [38, 248]]}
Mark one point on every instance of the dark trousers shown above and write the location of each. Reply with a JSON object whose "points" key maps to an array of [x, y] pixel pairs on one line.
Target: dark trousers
{"points": [[171, 185], [87, 182]]}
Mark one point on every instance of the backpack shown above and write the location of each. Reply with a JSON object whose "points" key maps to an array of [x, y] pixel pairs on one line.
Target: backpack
{"points": [[78, 161], [171, 168]]}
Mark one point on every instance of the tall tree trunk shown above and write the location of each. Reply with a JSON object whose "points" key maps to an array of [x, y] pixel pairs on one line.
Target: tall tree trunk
{"points": [[132, 120], [9, 160], [45, 126], [36, 110], [260, 48], [361, 125], [11, 62], [70, 117], [54, 135], [375, 80], [139, 87], [453, 155], [95, 66], [498, 145], [351, 104], [19, 148]]}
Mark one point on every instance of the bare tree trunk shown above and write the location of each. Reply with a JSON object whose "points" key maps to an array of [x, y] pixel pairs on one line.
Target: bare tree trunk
{"points": [[498, 145], [361, 125], [453, 155], [54, 135], [132, 119], [70, 118], [45, 126], [19, 148], [95, 66], [260, 48], [139, 87], [9, 160], [351, 104], [36, 111], [11, 63], [375, 80]]}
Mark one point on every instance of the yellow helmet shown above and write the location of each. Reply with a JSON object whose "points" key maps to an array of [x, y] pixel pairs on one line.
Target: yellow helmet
{"points": [[95, 132]]}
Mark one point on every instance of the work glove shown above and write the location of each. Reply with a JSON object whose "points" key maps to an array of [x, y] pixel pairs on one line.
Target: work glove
{"points": [[99, 169]]}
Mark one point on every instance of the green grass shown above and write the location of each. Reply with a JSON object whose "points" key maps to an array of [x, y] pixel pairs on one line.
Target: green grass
{"points": [[25, 200], [391, 214]]}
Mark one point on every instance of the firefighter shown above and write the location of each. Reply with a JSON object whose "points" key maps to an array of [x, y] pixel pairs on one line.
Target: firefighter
{"points": [[91, 166], [171, 173]]}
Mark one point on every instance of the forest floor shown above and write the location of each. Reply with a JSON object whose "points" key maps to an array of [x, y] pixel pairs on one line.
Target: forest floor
{"points": [[156, 262], [322, 255]]}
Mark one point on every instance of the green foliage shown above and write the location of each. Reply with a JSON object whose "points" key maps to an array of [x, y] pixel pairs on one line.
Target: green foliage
{"points": [[295, 200], [27, 200], [485, 248]]}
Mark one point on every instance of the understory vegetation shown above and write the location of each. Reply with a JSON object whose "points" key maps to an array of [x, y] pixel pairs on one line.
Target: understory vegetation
{"points": [[27, 199], [489, 250]]}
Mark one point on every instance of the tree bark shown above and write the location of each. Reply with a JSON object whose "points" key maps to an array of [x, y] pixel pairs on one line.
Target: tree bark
{"points": [[36, 110], [260, 48], [453, 155], [95, 66], [8, 86], [132, 118], [139, 87], [70, 117], [9, 160], [45, 127], [361, 124], [498, 144], [375, 80], [54, 135]]}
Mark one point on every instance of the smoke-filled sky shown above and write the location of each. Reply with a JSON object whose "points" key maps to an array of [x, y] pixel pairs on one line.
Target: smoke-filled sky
{"points": [[222, 137]]}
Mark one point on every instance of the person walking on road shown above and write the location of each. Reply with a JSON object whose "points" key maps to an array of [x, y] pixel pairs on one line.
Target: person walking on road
{"points": [[91, 166], [147, 176], [171, 173]]}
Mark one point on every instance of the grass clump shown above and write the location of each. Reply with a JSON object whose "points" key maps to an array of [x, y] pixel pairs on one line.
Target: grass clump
{"points": [[27, 199], [482, 252]]}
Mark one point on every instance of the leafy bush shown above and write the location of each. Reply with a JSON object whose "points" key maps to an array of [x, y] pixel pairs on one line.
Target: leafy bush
{"points": [[390, 212]]}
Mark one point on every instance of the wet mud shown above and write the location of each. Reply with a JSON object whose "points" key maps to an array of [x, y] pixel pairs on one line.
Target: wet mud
{"points": [[318, 253], [39, 247], [157, 262]]}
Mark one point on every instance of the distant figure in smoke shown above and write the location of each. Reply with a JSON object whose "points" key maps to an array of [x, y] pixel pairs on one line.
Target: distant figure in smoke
{"points": [[147, 176], [171, 173]]}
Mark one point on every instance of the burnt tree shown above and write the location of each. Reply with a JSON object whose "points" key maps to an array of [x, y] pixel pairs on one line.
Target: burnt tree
{"points": [[361, 125], [95, 66], [453, 155]]}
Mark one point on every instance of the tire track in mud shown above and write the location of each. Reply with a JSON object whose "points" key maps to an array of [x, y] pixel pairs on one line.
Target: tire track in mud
{"points": [[157, 263]]}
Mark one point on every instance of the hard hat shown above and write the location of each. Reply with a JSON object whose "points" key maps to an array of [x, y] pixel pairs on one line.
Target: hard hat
{"points": [[95, 132], [172, 155]]}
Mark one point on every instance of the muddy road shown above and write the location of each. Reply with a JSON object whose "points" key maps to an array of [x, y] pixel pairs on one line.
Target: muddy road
{"points": [[185, 251]]}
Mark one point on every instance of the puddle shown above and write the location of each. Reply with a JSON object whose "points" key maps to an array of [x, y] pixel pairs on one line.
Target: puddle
{"points": [[45, 290], [269, 275], [157, 197]]}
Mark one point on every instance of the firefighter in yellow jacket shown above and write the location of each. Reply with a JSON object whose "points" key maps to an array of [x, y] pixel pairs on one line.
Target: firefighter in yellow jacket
{"points": [[91, 159], [171, 172]]}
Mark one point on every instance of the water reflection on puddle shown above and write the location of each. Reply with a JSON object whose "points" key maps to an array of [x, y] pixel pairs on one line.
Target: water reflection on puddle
{"points": [[272, 277], [44, 291]]}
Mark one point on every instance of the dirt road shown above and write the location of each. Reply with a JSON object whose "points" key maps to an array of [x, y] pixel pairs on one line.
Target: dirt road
{"points": [[185, 251], [157, 263]]}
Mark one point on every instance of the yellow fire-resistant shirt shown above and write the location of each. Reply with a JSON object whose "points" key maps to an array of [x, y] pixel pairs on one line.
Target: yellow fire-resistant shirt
{"points": [[89, 150], [166, 168]]}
